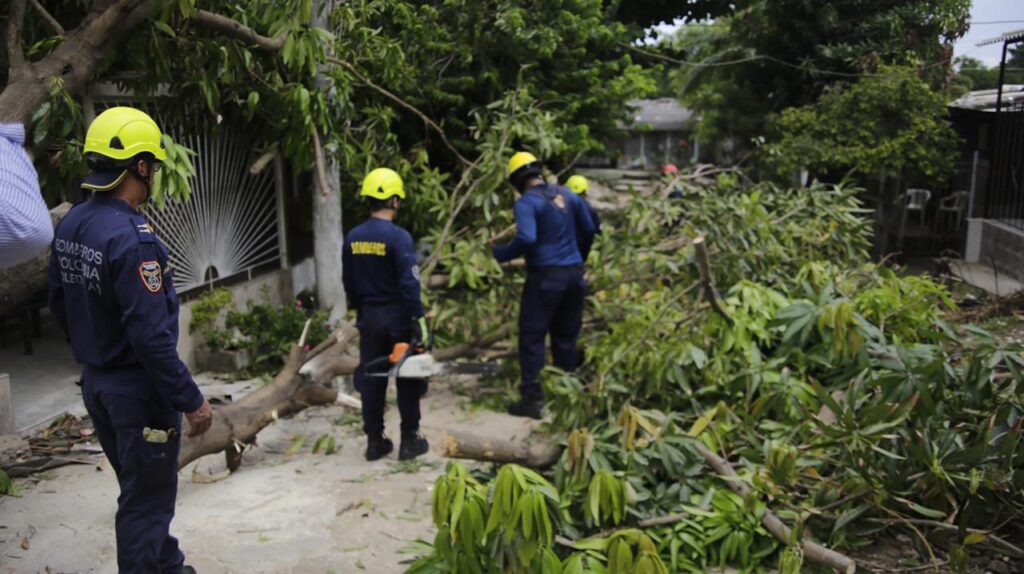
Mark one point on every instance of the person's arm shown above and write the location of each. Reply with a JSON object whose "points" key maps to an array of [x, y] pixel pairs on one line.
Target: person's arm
{"points": [[346, 275], [137, 279], [408, 273], [56, 303], [25, 226], [526, 233]]}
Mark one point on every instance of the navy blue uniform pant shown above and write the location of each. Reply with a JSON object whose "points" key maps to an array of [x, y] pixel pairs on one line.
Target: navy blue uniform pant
{"points": [[380, 327], [552, 304], [146, 471]]}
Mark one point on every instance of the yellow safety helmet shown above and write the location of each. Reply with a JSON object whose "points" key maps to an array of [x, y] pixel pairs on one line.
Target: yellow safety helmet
{"points": [[578, 184], [521, 165], [382, 183], [120, 134]]}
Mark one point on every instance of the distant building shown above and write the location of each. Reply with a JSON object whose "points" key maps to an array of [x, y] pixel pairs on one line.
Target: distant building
{"points": [[661, 132]]}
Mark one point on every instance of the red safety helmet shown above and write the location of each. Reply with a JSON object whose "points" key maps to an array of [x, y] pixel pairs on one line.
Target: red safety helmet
{"points": [[669, 168]]}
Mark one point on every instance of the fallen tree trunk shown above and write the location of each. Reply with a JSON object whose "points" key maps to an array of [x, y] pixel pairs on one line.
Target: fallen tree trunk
{"points": [[19, 283], [464, 445], [303, 382]]}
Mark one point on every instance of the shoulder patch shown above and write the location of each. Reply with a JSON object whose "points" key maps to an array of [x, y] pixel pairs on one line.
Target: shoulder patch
{"points": [[151, 275]]}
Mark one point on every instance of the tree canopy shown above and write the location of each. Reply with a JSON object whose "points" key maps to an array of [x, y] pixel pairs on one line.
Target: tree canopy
{"points": [[767, 56]]}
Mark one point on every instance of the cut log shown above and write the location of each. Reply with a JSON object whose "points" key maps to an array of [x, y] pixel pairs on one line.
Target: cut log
{"points": [[19, 283], [468, 446], [294, 389]]}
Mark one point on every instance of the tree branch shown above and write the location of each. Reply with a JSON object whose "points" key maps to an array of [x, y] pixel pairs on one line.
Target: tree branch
{"points": [[426, 119], [57, 28], [235, 29], [706, 279], [15, 55], [813, 552]]}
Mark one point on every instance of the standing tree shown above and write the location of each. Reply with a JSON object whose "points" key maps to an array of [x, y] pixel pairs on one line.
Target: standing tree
{"points": [[770, 55], [359, 83]]}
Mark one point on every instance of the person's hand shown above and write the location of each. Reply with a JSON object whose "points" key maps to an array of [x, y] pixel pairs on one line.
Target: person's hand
{"points": [[199, 420], [421, 334]]}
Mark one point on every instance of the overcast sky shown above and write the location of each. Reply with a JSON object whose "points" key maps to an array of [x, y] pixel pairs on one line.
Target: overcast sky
{"points": [[1009, 14]]}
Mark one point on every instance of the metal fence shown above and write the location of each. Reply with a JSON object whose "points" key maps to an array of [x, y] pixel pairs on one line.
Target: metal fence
{"points": [[1004, 197]]}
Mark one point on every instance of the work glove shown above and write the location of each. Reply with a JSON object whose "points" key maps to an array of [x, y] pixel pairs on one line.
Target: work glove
{"points": [[421, 334]]}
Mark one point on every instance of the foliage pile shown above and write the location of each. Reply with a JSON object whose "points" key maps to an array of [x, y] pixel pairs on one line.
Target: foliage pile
{"points": [[836, 387]]}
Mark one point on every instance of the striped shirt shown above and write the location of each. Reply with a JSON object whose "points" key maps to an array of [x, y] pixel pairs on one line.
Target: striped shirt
{"points": [[25, 227]]}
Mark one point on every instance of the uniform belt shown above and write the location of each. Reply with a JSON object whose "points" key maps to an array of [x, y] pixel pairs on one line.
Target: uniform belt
{"points": [[543, 268]]}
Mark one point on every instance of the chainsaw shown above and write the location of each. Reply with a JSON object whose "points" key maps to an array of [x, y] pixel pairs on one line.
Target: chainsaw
{"points": [[416, 362]]}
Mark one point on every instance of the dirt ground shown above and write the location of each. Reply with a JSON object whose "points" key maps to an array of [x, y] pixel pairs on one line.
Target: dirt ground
{"points": [[281, 512]]}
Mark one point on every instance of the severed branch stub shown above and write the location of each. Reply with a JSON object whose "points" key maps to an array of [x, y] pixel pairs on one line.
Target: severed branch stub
{"points": [[469, 446], [707, 281]]}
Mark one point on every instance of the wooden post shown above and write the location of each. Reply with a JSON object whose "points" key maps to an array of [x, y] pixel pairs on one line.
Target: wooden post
{"points": [[6, 405]]}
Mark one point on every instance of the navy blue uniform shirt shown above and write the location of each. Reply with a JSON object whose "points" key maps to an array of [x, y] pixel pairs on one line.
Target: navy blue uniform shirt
{"points": [[111, 291], [378, 266], [548, 218]]}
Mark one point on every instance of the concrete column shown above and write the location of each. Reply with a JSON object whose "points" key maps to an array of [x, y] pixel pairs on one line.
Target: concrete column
{"points": [[6, 406], [327, 232]]}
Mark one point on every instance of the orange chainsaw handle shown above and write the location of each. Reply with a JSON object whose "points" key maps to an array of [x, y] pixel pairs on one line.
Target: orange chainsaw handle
{"points": [[398, 352]]}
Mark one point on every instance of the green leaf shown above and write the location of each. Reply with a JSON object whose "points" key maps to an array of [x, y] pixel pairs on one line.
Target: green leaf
{"points": [[296, 445], [975, 538], [163, 27]]}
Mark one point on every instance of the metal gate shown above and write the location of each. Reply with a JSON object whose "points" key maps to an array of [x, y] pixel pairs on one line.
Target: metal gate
{"points": [[1004, 197], [232, 225]]}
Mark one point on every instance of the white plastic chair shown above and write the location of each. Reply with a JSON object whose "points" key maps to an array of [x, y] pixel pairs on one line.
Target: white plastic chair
{"points": [[953, 205], [916, 200]]}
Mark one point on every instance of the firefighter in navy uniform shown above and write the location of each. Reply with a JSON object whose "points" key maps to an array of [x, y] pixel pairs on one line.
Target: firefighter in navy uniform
{"points": [[548, 218], [382, 282], [111, 291], [579, 185]]}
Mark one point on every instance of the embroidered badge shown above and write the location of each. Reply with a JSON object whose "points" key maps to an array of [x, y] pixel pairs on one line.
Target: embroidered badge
{"points": [[151, 275], [144, 228], [559, 201], [416, 272]]}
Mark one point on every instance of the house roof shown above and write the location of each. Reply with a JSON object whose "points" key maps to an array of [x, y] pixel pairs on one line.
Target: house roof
{"points": [[985, 100], [1007, 37], [662, 114]]}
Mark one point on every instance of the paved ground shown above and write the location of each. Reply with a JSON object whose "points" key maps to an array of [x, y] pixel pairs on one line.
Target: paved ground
{"points": [[280, 513], [42, 384], [984, 277]]}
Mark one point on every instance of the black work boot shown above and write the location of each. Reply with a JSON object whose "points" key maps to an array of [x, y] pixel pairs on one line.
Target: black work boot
{"points": [[378, 447], [527, 407], [412, 447]]}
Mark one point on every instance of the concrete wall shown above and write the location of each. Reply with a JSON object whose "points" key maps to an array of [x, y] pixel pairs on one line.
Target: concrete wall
{"points": [[281, 286], [996, 245]]}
